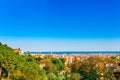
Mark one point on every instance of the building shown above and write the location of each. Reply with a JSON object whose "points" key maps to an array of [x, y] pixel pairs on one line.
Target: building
{"points": [[17, 50]]}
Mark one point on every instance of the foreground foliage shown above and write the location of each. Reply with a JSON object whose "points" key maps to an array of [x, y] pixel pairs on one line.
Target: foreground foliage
{"points": [[26, 67]]}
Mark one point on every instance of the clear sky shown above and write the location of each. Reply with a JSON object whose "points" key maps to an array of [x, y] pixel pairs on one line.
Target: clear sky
{"points": [[60, 24]]}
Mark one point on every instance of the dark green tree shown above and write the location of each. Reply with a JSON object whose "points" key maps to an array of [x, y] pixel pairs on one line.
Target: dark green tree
{"points": [[58, 63]]}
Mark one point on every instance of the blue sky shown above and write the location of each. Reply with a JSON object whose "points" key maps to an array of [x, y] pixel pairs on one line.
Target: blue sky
{"points": [[60, 24]]}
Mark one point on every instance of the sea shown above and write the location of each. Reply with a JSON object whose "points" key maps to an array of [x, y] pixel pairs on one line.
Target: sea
{"points": [[76, 52]]}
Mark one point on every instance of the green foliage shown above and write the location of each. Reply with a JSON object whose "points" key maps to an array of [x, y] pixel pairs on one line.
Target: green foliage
{"points": [[51, 76], [29, 57], [49, 67], [63, 60], [19, 67], [74, 67], [32, 71], [38, 59], [88, 70], [75, 76], [114, 57], [109, 75], [26, 67], [60, 77], [1, 56], [58, 63]]}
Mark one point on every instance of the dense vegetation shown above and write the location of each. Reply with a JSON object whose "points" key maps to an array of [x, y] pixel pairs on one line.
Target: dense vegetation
{"points": [[26, 67], [16, 67]]}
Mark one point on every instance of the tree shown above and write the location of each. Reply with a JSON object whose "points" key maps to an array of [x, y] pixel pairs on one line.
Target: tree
{"points": [[32, 71], [58, 63], [51, 76], [75, 76], [63, 60], [89, 70], [1, 57], [29, 57], [75, 66], [60, 77], [19, 67], [8, 60], [38, 59], [49, 67]]}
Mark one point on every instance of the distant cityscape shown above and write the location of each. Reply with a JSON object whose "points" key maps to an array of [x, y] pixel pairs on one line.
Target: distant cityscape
{"points": [[70, 56], [76, 52], [67, 65]]}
